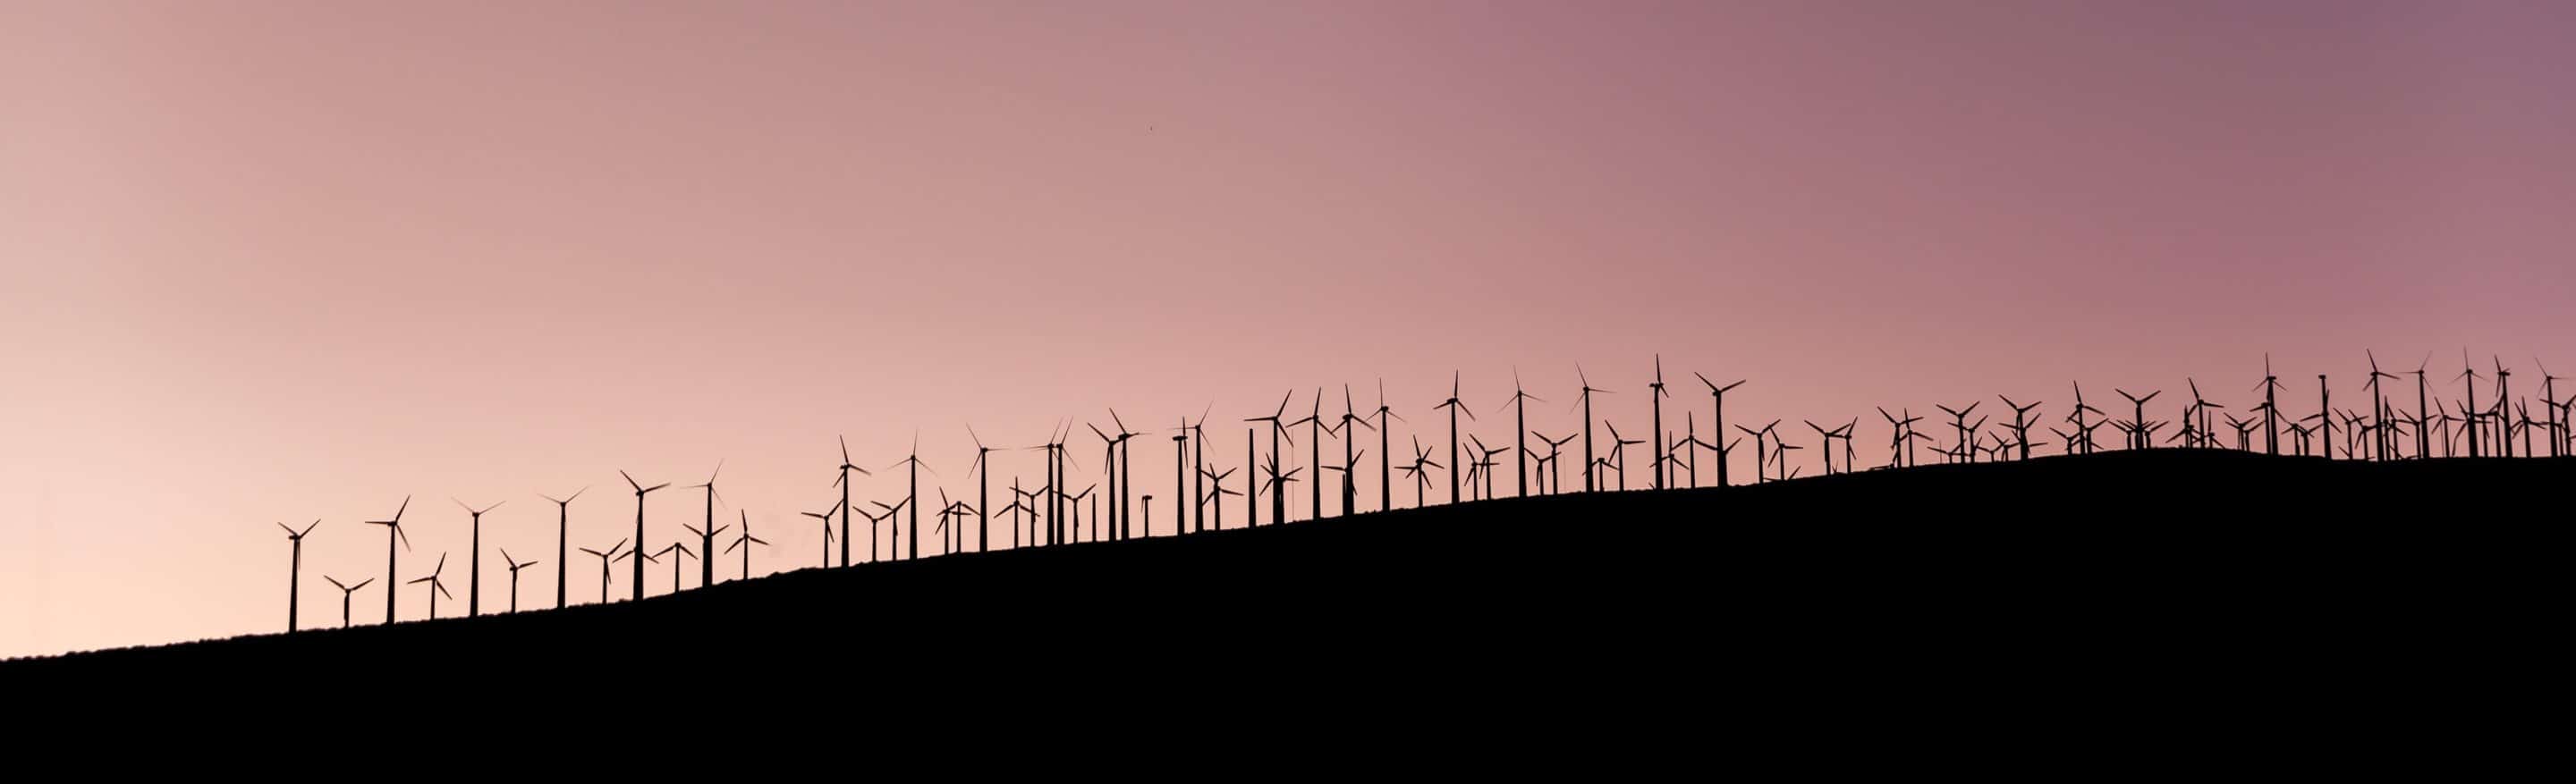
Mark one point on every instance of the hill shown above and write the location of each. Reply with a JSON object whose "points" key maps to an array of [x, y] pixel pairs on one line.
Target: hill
{"points": [[2119, 576]]}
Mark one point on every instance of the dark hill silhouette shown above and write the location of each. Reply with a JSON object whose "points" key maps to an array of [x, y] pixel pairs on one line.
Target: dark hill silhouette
{"points": [[2119, 576]]}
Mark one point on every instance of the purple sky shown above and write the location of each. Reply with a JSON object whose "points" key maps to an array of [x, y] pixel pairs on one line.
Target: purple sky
{"points": [[278, 261]]}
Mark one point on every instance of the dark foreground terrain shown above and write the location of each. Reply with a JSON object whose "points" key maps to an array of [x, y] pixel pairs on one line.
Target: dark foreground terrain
{"points": [[2137, 583]]}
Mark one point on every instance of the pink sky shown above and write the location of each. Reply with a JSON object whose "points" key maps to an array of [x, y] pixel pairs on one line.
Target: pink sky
{"points": [[279, 261]]}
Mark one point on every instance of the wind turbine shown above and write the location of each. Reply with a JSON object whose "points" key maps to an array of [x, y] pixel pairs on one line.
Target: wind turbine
{"points": [[1215, 499], [1619, 452], [677, 561], [295, 570], [2138, 437], [563, 534], [1655, 436], [1555, 479], [1454, 407], [983, 493], [844, 482], [1589, 485], [515, 566], [1421, 481], [637, 553], [1124, 489], [2379, 404], [1350, 458], [1314, 423], [706, 544], [2504, 392], [605, 559], [345, 592], [2078, 417], [2020, 425], [436, 587], [706, 536], [1961, 417], [393, 532], [1717, 418], [826, 517], [1827, 436], [1385, 477], [1278, 505], [474, 560], [745, 538], [1761, 458], [2272, 407], [911, 495], [1520, 431], [2470, 408], [640, 490], [1109, 466]]}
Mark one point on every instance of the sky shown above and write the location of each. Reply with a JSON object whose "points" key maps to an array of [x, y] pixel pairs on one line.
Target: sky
{"points": [[281, 261]]}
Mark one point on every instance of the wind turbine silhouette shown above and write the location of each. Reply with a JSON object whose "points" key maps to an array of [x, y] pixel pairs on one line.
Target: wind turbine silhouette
{"points": [[1125, 488], [1900, 435], [2424, 412], [1717, 420], [295, 571], [2549, 408], [1454, 408], [1109, 466], [983, 494], [911, 496], [1421, 481], [1485, 463], [1350, 458], [1761, 458], [515, 566], [1181, 487], [1279, 505], [706, 536], [2271, 408], [1555, 479], [345, 592], [637, 553], [1827, 452], [2020, 425], [826, 517], [678, 560], [746, 538], [605, 559], [2078, 418], [1585, 401], [563, 537], [2504, 392], [1385, 477], [2138, 438], [2325, 422], [393, 532], [640, 490], [436, 587], [2469, 410], [1619, 452], [1314, 423], [1961, 422], [474, 560], [1520, 430], [844, 482], [2379, 404], [1215, 499], [1655, 437], [706, 544]]}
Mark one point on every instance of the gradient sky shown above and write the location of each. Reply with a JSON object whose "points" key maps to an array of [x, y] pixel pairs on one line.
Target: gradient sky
{"points": [[265, 261]]}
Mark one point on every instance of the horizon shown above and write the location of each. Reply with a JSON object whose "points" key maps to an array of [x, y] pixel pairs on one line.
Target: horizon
{"points": [[277, 262]]}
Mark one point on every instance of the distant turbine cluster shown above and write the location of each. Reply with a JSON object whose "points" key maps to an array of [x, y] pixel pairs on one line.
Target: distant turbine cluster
{"points": [[1050, 514]]}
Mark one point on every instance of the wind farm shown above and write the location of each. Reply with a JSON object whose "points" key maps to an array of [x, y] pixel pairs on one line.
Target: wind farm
{"points": [[862, 276]]}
